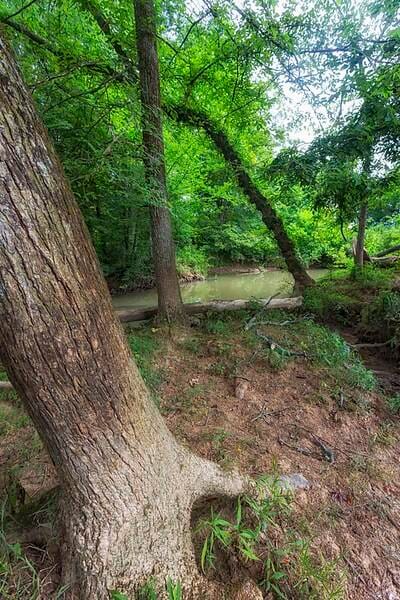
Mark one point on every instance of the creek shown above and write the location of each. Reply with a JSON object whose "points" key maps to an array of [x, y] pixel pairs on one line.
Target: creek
{"points": [[230, 286]]}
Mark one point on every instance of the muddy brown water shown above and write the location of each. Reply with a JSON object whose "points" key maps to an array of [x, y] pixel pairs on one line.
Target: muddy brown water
{"points": [[230, 286]]}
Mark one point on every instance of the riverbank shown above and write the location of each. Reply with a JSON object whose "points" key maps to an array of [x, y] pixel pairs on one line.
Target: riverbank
{"points": [[273, 394]]}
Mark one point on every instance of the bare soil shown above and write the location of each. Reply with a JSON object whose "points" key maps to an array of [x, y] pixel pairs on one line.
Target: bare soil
{"points": [[353, 506], [226, 402]]}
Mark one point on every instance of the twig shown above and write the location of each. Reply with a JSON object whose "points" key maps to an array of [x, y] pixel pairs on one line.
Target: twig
{"points": [[263, 413], [274, 346], [329, 455], [287, 322], [304, 451], [346, 452], [354, 570], [253, 319], [20, 10]]}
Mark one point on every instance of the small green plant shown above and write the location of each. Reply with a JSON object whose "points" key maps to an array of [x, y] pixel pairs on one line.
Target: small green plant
{"points": [[227, 533], [218, 368], [385, 435], [260, 509], [192, 345], [116, 595], [275, 359], [217, 439], [174, 590], [290, 570], [12, 417], [18, 576], [326, 302], [371, 277], [317, 578], [217, 326], [394, 403], [330, 350], [148, 591]]}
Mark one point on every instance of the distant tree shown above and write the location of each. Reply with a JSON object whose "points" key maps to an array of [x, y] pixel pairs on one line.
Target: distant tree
{"points": [[169, 296]]}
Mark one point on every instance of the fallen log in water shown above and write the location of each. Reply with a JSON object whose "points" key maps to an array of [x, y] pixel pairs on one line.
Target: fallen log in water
{"points": [[140, 314]]}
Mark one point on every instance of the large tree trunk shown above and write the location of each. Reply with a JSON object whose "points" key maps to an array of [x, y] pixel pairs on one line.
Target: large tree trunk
{"points": [[268, 213], [169, 295], [127, 485], [362, 224]]}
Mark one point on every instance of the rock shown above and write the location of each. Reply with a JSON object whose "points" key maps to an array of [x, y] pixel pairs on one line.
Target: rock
{"points": [[294, 481], [241, 387], [247, 591]]}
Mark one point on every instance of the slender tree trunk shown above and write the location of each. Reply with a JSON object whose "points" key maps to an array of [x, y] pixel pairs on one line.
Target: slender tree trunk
{"points": [[169, 295], [362, 225], [268, 213], [127, 485]]}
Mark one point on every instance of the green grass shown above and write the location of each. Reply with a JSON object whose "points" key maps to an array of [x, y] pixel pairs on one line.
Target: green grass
{"points": [[394, 404], [381, 317], [340, 295], [330, 350], [144, 345], [321, 346], [12, 418], [289, 569], [18, 576], [372, 277], [329, 303]]}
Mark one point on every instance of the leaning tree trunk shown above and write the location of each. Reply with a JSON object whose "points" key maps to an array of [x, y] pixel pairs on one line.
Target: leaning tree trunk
{"points": [[270, 217], [169, 295], [362, 224], [127, 485]]}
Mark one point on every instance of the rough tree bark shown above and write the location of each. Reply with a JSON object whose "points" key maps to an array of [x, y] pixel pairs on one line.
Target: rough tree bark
{"points": [[127, 485], [169, 295], [268, 213]]}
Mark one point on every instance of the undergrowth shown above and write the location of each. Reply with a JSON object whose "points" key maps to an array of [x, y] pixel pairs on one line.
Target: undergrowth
{"points": [[394, 404], [282, 339], [259, 532], [341, 294]]}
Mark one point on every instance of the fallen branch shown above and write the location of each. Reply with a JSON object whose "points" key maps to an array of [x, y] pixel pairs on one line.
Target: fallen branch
{"points": [[264, 414], [140, 314], [327, 451], [299, 449], [384, 261], [388, 251], [253, 320], [287, 322], [274, 346], [371, 345]]}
